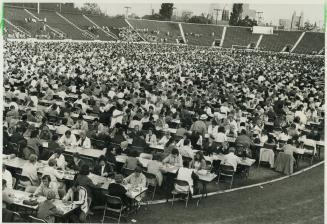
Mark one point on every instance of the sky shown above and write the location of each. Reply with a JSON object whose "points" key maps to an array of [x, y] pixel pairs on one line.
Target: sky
{"points": [[272, 11]]}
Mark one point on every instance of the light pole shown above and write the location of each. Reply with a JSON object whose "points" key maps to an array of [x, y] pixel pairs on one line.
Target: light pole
{"points": [[259, 16], [126, 12], [217, 11]]}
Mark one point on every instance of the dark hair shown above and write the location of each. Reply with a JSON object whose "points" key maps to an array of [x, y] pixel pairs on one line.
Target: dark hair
{"points": [[68, 132], [55, 137], [85, 170], [186, 141], [34, 133], [221, 129], [174, 151], [201, 156], [46, 177]]}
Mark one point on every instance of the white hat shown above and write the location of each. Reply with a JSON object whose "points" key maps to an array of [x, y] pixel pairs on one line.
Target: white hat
{"points": [[203, 117]]}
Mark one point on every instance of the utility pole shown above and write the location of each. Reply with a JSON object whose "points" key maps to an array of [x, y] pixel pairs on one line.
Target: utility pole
{"points": [[126, 13], [259, 16], [217, 11]]}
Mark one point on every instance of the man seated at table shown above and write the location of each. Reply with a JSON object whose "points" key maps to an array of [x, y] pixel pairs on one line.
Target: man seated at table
{"points": [[6, 175], [68, 139], [84, 141], [62, 128], [76, 163], [46, 209], [29, 170], [6, 202], [78, 195], [231, 159], [289, 148], [45, 187], [81, 124], [102, 168], [53, 144], [174, 158], [118, 190], [136, 179]]}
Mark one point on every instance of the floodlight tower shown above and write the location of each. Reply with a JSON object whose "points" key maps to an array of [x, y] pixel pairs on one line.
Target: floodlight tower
{"points": [[126, 12], [217, 11]]}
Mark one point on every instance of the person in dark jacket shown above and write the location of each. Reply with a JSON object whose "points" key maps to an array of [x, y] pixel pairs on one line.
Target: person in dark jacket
{"points": [[118, 190], [102, 168]]}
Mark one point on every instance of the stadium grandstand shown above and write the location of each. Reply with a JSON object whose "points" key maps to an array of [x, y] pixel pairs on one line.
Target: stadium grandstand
{"points": [[78, 26], [135, 119]]}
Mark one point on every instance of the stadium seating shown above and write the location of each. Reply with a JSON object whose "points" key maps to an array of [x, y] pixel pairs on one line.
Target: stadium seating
{"points": [[311, 42], [84, 24], [241, 36], [158, 29], [201, 34], [18, 17], [279, 40], [114, 24], [62, 25]]}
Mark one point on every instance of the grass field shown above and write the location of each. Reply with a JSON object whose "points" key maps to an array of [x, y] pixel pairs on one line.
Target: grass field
{"points": [[299, 199]]}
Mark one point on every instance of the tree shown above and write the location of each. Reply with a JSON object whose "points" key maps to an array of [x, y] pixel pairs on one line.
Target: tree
{"points": [[199, 19], [308, 26], [236, 14], [91, 8], [166, 11], [247, 22], [186, 15]]}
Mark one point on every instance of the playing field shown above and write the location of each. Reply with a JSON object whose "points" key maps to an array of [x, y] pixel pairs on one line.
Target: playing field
{"points": [[297, 199]]}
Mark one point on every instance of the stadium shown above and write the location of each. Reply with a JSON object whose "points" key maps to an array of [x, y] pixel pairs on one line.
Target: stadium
{"points": [[119, 119]]}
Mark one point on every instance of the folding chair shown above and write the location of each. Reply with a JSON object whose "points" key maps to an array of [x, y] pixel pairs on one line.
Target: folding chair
{"points": [[151, 180], [227, 171], [36, 220], [113, 204], [174, 192], [16, 217]]}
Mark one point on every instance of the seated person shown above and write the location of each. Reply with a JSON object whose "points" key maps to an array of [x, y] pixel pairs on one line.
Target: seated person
{"points": [[231, 159], [131, 161], [7, 201], [78, 195], [151, 137], [84, 181], [102, 168], [59, 158], [154, 168], [198, 163], [76, 163], [45, 187], [165, 138], [189, 176], [33, 144], [62, 128], [136, 179], [29, 170], [68, 139], [81, 124], [6, 175], [174, 158], [186, 149], [53, 144], [46, 209], [84, 141], [118, 190]]}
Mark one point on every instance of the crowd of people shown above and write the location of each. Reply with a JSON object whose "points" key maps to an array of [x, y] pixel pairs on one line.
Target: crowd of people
{"points": [[141, 92]]}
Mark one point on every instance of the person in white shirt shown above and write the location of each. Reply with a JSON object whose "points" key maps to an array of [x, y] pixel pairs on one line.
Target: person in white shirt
{"points": [[68, 139], [181, 142], [220, 136], [81, 124], [59, 158], [6, 175], [164, 139], [186, 149], [151, 138], [174, 158], [84, 141], [231, 159]]}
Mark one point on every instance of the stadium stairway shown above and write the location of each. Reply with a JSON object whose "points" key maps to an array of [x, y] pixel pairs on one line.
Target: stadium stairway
{"points": [[311, 42]]}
